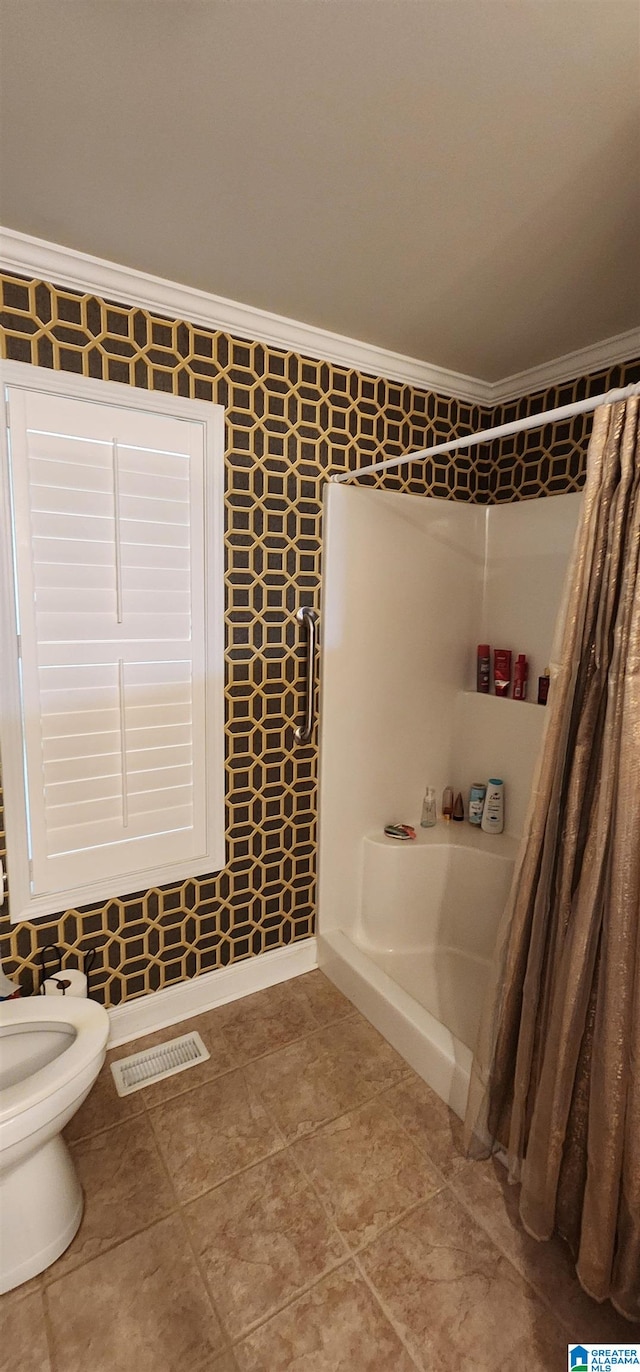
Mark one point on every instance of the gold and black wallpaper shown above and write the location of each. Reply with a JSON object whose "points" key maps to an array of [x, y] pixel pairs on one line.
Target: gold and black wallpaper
{"points": [[291, 422], [552, 460]]}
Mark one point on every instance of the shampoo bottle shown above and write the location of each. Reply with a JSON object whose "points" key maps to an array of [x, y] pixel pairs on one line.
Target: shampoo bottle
{"points": [[476, 802], [520, 674], [502, 671], [483, 668], [493, 812]]}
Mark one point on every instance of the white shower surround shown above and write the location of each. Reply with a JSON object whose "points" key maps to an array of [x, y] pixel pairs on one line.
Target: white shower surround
{"points": [[411, 585]]}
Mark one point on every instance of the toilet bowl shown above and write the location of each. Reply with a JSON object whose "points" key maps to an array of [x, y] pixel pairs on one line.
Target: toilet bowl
{"points": [[51, 1050]]}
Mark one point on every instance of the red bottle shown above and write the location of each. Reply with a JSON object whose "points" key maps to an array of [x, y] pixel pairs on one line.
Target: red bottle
{"points": [[483, 682], [502, 670], [520, 674]]}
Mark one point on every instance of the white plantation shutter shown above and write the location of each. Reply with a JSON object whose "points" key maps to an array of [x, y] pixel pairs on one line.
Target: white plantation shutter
{"points": [[121, 730]]}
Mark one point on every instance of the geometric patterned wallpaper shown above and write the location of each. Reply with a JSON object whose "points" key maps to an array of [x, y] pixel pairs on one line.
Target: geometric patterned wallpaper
{"points": [[290, 423], [551, 461]]}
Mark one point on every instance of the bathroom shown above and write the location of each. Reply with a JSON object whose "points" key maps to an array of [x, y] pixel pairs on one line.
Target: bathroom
{"points": [[314, 1164]]}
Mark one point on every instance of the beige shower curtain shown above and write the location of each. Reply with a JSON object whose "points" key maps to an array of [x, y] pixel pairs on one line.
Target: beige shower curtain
{"points": [[556, 1079]]}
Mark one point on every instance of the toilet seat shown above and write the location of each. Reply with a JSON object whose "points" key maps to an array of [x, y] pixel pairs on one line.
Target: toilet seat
{"points": [[64, 1075], [41, 1199]]}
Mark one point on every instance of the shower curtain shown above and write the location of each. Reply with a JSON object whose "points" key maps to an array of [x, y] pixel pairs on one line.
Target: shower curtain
{"points": [[556, 1078]]}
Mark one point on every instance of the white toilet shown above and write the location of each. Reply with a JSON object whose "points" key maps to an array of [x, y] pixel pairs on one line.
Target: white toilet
{"points": [[51, 1050]]}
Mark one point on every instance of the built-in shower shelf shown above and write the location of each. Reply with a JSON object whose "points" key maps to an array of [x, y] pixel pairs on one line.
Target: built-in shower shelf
{"points": [[502, 701], [454, 834]]}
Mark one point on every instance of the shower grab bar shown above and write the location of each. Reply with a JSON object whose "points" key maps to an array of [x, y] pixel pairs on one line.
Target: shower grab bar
{"points": [[305, 615]]}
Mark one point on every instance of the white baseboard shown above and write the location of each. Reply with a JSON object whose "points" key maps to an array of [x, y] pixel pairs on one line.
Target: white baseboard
{"points": [[163, 1008]]}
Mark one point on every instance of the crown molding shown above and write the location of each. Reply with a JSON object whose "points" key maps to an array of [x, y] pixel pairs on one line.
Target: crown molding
{"points": [[622, 347], [79, 271]]}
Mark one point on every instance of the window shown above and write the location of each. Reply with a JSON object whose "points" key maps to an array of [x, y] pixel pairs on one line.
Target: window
{"points": [[112, 678]]}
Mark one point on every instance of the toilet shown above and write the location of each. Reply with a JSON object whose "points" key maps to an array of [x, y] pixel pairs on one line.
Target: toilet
{"points": [[51, 1050]]}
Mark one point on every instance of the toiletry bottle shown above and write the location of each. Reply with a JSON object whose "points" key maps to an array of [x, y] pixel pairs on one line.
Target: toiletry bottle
{"points": [[493, 812], [476, 802], [543, 687], [447, 803], [520, 674], [502, 670], [429, 817], [458, 807], [483, 669]]}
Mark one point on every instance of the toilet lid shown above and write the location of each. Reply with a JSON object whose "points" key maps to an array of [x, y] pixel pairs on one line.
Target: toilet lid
{"points": [[91, 1024]]}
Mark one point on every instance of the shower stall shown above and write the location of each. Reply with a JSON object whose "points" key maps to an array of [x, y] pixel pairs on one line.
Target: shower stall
{"points": [[411, 586]]}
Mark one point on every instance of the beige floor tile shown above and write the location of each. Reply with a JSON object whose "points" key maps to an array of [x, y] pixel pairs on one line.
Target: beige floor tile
{"points": [[326, 1002], [125, 1188], [142, 1307], [261, 1239], [208, 1134], [221, 1058], [23, 1335], [225, 1362], [103, 1108], [484, 1188], [335, 1327], [269, 1019], [431, 1124], [458, 1301], [367, 1171], [544, 1350], [312, 1081], [18, 1293]]}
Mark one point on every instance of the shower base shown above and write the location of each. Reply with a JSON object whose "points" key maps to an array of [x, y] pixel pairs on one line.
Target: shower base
{"points": [[417, 960]]}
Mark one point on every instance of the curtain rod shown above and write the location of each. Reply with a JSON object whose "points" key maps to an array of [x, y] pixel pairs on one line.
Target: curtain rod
{"points": [[532, 421]]}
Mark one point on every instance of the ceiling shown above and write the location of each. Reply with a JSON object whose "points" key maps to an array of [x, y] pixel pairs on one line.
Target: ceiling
{"points": [[457, 180]]}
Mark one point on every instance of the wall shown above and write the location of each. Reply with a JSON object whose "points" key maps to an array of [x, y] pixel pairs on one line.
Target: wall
{"points": [[393, 665], [291, 421], [526, 553], [527, 549], [552, 460], [400, 709]]}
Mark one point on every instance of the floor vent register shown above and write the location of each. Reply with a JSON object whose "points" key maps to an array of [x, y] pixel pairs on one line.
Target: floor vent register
{"points": [[163, 1060]]}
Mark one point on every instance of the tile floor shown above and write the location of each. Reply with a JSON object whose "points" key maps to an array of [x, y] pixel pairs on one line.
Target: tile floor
{"points": [[298, 1203]]}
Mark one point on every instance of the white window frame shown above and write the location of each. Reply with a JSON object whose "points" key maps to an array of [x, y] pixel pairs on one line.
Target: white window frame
{"points": [[24, 906]]}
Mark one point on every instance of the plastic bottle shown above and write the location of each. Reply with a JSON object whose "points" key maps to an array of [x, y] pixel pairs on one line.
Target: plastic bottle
{"points": [[447, 803], [493, 812], [543, 687], [458, 807], [476, 802], [483, 669], [429, 816], [520, 674], [502, 671]]}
